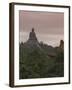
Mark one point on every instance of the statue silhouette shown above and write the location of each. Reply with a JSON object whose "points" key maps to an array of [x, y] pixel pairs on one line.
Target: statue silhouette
{"points": [[32, 35]]}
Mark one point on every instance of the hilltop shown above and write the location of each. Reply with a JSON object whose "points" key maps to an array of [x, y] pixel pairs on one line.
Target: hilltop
{"points": [[39, 60]]}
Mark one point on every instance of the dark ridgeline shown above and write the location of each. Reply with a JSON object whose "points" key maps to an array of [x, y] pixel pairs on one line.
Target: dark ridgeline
{"points": [[39, 60]]}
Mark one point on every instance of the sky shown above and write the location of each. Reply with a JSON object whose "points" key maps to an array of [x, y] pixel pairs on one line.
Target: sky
{"points": [[48, 26]]}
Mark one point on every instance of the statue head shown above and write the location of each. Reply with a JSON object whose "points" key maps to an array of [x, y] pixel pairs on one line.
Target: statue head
{"points": [[32, 29], [61, 42]]}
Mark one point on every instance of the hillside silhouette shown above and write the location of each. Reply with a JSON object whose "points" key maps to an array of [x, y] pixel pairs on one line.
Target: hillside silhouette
{"points": [[39, 60]]}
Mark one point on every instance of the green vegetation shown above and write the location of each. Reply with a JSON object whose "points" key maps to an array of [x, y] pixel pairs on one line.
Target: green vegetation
{"points": [[36, 63]]}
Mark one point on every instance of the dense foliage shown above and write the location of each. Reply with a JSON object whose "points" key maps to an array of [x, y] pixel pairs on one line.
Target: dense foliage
{"points": [[36, 63]]}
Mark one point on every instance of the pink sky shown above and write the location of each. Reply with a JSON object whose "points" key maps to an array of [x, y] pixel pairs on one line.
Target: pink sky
{"points": [[49, 26]]}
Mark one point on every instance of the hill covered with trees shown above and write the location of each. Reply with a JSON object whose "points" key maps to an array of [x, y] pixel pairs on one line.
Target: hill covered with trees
{"points": [[39, 60]]}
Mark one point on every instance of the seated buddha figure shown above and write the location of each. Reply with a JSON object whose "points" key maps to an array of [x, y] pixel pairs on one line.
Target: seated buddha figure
{"points": [[32, 35]]}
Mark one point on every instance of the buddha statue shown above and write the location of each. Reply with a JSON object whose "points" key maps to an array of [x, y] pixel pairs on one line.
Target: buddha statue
{"points": [[32, 35]]}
